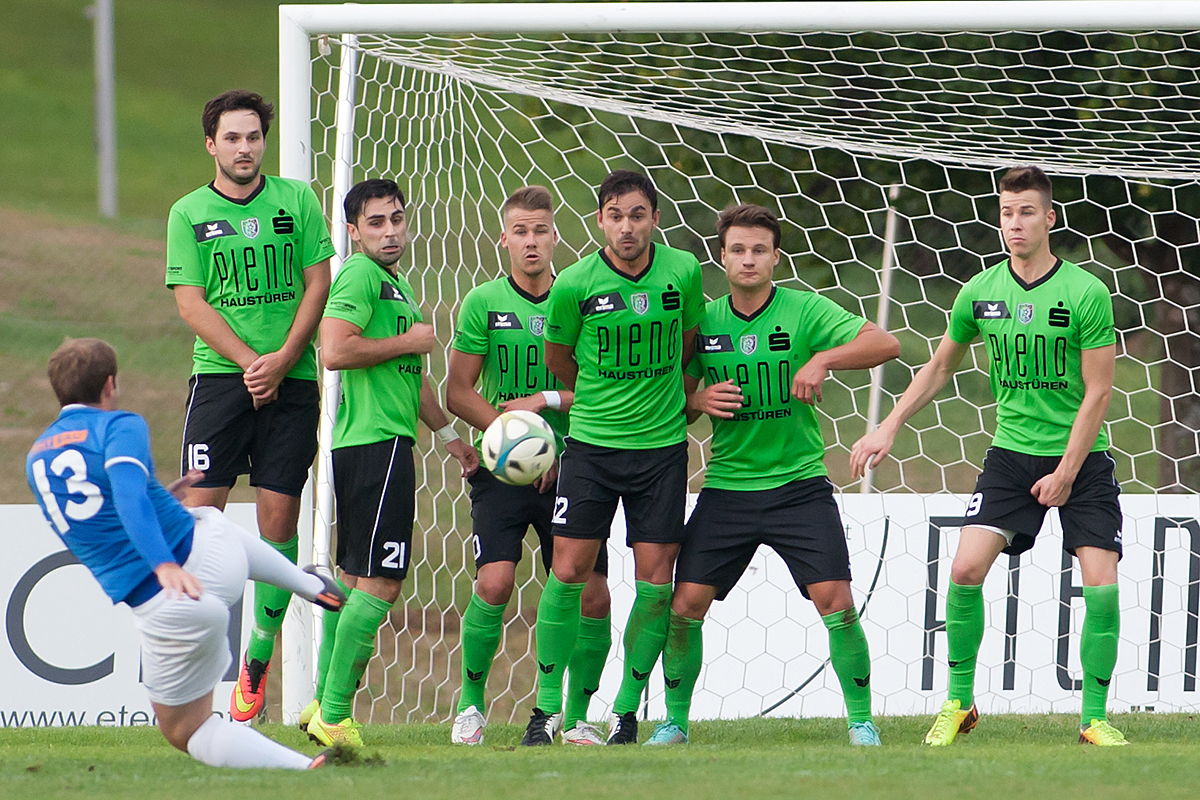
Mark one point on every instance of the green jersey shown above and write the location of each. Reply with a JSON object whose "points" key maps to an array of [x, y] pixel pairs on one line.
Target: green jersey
{"points": [[379, 402], [628, 336], [774, 439], [249, 255], [1035, 334], [503, 323]]}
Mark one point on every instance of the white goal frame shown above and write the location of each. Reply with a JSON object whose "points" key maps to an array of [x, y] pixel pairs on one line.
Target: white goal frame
{"points": [[298, 24]]}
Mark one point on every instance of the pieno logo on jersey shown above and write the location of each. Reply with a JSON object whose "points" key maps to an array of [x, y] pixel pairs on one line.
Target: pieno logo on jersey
{"points": [[990, 309], [720, 343], [207, 231], [504, 321], [602, 304]]}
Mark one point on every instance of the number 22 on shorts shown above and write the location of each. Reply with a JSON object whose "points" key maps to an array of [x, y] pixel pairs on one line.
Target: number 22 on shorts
{"points": [[560, 511]]}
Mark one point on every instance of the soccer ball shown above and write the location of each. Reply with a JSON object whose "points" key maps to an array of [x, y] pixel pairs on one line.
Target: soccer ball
{"points": [[518, 447]]}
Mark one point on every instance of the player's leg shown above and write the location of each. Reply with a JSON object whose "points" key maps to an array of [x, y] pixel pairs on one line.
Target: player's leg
{"points": [[683, 657], [654, 495], [849, 655], [281, 450], [500, 517], [589, 657], [583, 511], [1091, 521], [217, 431], [374, 485], [185, 654]]}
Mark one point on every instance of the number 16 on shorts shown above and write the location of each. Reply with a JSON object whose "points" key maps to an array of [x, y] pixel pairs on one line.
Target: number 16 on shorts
{"points": [[197, 457]]}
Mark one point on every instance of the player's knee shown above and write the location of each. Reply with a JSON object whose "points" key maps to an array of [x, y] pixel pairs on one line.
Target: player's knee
{"points": [[493, 590], [595, 602], [966, 573], [692, 600]]}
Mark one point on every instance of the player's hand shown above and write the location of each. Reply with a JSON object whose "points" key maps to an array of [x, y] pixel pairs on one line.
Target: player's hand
{"points": [[177, 582], [419, 338], [718, 400], [868, 451], [466, 455], [260, 402], [179, 487], [1053, 490], [549, 481], [534, 402], [806, 385], [263, 377]]}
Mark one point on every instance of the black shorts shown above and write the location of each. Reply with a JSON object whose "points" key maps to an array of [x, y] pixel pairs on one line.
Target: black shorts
{"points": [[1090, 518], [799, 521], [224, 436], [375, 485], [500, 516], [652, 484]]}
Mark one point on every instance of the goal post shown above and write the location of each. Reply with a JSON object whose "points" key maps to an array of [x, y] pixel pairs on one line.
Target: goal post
{"points": [[878, 132]]}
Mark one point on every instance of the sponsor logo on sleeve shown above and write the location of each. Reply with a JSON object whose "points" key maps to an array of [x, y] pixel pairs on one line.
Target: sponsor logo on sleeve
{"points": [[342, 305], [990, 309], [602, 304], [537, 324], [749, 344], [641, 302], [206, 231], [250, 228], [718, 343], [389, 292], [283, 224], [504, 321], [1025, 313], [1060, 317]]}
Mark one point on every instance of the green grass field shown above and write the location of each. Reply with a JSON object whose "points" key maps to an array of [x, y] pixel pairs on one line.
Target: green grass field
{"points": [[1012, 755]]}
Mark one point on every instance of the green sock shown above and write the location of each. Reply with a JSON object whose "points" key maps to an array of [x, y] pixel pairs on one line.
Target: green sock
{"points": [[645, 636], [482, 625], [270, 606], [360, 620], [964, 634], [1098, 648], [557, 628], [585, 667], [329, 626], [683, 656], [851, 661]]}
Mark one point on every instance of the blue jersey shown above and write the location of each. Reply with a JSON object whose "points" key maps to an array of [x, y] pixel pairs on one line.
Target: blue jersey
{"points": [[68, 470]]}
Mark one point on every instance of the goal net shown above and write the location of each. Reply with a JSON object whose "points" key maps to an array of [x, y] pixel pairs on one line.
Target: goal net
{"points": [[837, 116]]}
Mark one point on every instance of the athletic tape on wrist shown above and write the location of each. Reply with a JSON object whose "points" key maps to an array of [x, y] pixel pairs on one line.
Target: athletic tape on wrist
{"points": [[446, 434], [553, 399]]}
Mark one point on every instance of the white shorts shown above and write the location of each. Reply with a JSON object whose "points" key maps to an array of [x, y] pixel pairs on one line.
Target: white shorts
{"points": [[185, 650]]}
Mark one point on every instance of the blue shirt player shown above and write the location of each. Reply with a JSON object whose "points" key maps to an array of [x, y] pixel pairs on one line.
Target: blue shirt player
{"points": [[179, 570]]}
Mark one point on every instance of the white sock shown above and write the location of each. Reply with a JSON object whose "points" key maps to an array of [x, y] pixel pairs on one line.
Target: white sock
{"points": [[268, 565], [219, 743]]}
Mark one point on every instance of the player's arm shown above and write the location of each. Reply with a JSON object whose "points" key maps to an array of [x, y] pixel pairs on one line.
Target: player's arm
{"points": [[560, 358], [129, 483], [560, 400], [435, 419], [869, 348], [1097, 366], [717, 400], [689, 345], [344, 347], [929, 380], [210, 326], [269, 369]]}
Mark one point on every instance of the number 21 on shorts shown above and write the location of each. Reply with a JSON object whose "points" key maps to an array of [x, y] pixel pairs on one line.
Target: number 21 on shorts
{"points": [[397, 555]]}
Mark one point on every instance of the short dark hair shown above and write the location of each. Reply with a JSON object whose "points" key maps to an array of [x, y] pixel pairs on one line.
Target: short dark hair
{"points": [[79, 368], [357, 197], [236, 100], [623, 181], [748, 215], [1020, 179], [528, 198]]}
